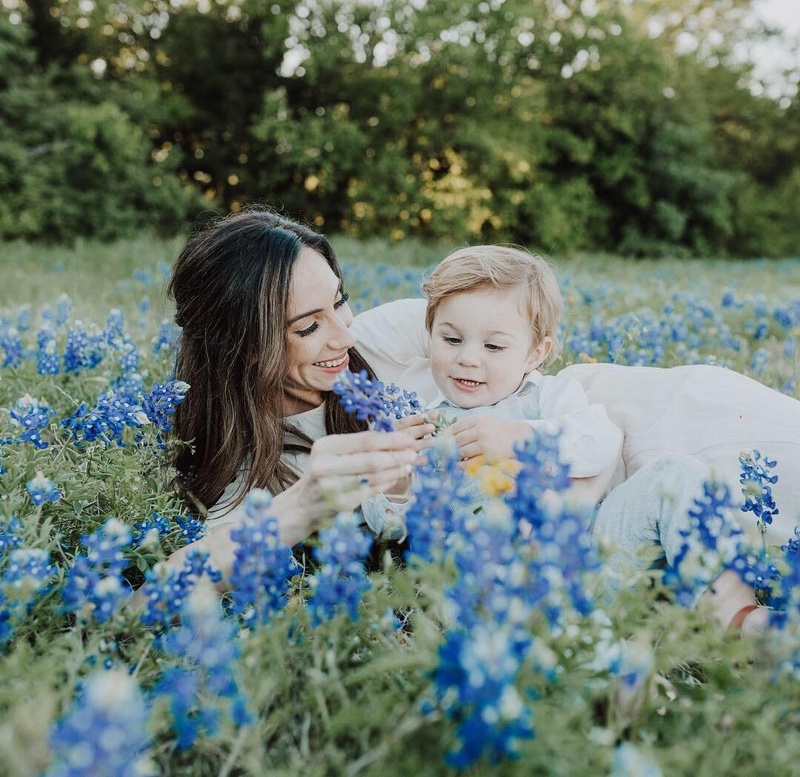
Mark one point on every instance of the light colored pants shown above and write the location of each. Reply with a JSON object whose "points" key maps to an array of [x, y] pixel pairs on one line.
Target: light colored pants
{"points": [[639, 524]]}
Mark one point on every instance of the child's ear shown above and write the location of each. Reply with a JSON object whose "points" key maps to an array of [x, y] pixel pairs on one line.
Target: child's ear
{"points": [[539, 353]]}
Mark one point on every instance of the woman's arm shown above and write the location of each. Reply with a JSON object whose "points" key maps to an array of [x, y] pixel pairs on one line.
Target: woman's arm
{"points": [[343, 471]]}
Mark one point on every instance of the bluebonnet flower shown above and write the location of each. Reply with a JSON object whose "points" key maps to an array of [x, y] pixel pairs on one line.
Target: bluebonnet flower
{"points": [[190, 528], [372, 401], [441, 495], [160, 402], [28, 571], [758, 362], [166, 590], [541, 470], [33, 415], [63, 309], [757, 480], [113, 330], [206, 643], [474, 685], [150, 530], [107, 420], [11, 343], [104, 732], [263, 564], [24, 318], [76, 356], [129, 357], [42, 489], [94, 584], [342, 579], [47, 362], [10, 535], [168, 333], [711, 543]]}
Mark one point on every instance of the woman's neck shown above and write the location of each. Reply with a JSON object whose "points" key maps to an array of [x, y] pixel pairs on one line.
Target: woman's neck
{"points": [[294, 404]]}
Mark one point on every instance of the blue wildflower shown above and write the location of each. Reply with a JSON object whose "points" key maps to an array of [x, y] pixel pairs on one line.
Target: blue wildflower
{"points": [[47, 362], [33, 415], [107, 420], [42, 489], [372, 401], [166, 589], [711, 542], [190, 528], [206, 643], [150, 530], [104, 732], [160, 402], [342, 579], [474, 685], [14, 351], [63, 309], [168, 333], [757, 480], [263, 564], [94, 585]]}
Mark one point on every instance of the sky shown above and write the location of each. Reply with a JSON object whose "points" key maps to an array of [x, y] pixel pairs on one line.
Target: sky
{"points": [[784, 14]]}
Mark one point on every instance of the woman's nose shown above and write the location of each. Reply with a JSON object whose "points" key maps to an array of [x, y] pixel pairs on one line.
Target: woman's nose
{"points": [[341, 338]]}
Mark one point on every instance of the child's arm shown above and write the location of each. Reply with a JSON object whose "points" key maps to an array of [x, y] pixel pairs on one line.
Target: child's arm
{"points": [[590, 441]]}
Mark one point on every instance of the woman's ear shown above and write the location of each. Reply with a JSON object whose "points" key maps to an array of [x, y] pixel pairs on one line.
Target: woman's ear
{"points": [[539, 353]]}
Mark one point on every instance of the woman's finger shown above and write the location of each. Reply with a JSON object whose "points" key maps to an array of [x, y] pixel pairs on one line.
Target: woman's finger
{"points": [[367, 463], [363, 441]]}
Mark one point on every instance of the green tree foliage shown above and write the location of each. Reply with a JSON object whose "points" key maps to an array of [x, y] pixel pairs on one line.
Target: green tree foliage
{"points": [[555, 123]]}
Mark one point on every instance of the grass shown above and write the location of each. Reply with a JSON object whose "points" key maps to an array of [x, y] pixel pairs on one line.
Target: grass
{"points": [[348, 697]]}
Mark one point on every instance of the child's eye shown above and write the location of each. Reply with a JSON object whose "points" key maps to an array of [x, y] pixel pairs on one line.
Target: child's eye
{"points": [[341, 301], [308, 330], [452, 340], [494, 348]]}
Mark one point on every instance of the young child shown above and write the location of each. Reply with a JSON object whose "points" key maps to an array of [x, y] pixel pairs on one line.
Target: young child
{"points": [[492, 315]]}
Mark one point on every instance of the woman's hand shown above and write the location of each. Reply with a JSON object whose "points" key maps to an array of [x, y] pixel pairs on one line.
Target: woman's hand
{"points": [[346, 469], [488, 436]]}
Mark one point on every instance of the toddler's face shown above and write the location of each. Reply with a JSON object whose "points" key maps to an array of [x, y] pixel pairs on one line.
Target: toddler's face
{"points": [[481, 346]]}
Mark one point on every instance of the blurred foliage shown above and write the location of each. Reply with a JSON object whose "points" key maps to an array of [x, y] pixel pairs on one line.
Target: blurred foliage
{"points": [[563, 125]]}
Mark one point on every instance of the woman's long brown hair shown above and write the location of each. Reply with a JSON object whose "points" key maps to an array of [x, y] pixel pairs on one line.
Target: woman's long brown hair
{"points": [[231, 289]]}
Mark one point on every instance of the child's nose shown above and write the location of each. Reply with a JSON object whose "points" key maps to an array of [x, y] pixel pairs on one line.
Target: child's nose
{"points": [[469, 357]]}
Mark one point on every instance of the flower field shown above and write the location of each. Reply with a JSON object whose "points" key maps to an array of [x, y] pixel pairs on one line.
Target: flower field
{"points": [[483, 647]]}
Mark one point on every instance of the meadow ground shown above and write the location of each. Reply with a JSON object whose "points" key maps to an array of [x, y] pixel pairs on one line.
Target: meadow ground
{"points": [[527, 679]]}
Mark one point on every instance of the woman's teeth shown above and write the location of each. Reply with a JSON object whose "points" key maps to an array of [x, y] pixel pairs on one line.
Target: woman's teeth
{"points": [[334, 363]]}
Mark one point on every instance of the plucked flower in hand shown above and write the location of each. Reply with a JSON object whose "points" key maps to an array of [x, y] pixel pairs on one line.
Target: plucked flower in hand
{"points": [[372, 401]]}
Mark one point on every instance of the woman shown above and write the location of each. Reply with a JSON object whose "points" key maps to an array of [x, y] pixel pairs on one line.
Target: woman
{"points": [[266, 330]]}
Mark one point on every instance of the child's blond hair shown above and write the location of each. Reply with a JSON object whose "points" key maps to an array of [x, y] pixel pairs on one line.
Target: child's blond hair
{"points": [[501, 267]]}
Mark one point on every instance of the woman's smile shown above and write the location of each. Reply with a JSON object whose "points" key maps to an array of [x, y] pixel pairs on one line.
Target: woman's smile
{"points": [[334, 365]]}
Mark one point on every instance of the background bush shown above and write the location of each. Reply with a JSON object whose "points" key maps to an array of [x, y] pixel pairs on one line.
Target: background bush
{"points": [[548, 124]]}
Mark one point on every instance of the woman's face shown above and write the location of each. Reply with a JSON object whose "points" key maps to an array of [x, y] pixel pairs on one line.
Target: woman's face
{"points": [[319, 320]]}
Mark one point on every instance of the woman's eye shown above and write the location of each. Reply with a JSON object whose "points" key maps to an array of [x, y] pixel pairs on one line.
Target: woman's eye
{"points": [[308, 330], [342, 300]]}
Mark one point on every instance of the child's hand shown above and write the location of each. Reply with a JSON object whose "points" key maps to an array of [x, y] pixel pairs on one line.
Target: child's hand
{"points": [[419, 427], [488, 436]]}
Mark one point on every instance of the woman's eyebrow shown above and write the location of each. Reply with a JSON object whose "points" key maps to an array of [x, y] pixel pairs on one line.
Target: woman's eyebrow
{"points": [[304, 315]]}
